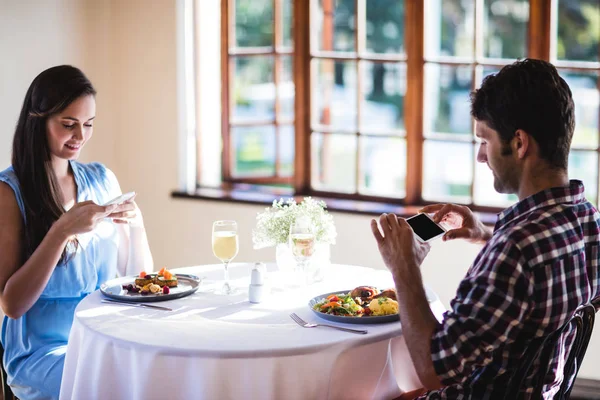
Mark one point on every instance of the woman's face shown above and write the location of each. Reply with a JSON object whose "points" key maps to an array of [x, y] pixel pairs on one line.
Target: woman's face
{"points": [[69, 130]]}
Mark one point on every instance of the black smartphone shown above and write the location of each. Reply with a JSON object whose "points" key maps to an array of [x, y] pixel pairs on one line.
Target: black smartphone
{"points": [[425, 228]]}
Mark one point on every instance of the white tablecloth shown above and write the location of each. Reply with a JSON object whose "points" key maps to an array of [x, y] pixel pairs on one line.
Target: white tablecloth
{"points": [[223, 347]]}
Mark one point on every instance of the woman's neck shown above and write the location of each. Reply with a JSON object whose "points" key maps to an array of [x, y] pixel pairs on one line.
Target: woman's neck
{"points": [[61, 168]]}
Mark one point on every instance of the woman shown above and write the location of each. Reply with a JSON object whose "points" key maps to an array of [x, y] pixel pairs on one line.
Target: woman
{"points": [[58, 243]]}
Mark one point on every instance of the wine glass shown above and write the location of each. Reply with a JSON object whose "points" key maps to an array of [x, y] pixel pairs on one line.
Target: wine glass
{"points": [[302, 244], [225, 247]]}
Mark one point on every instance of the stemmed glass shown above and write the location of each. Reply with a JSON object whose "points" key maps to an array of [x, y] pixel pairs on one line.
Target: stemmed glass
{"points": [[302, 244], [225, 247]]}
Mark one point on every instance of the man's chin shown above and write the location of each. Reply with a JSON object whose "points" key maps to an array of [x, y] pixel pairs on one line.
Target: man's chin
{"points": [[503, 188], [499, 187]]}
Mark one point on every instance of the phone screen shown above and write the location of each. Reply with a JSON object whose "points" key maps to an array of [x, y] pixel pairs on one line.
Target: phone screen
{"points": [[424, 227]]}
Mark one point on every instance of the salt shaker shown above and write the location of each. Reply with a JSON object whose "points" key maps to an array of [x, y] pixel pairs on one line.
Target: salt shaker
{"points": [[256, 290]]}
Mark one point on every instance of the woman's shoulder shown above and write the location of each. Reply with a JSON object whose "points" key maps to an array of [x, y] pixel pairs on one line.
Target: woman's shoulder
{"points": [[11, 194], [97, 175], [8, 175], [94, 171]]}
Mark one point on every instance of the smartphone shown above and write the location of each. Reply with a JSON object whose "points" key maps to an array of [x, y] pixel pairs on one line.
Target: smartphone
{"points": [[425, 228], [120, 199]]}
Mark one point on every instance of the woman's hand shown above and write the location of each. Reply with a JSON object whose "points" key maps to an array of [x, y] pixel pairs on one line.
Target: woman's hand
{"points": [[83, 217], [462, 222], [127, 213]]}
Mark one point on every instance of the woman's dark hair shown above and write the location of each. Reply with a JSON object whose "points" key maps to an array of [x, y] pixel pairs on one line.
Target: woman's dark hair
{"points": [[529, 95], [49, 94]]}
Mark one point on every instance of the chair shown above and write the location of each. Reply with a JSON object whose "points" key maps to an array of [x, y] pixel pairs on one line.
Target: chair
{"points": [[7, 393], [584, 318]]}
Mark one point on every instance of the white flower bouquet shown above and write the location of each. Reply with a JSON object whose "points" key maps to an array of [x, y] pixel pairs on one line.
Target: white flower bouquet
{"points": [[273, 225]]}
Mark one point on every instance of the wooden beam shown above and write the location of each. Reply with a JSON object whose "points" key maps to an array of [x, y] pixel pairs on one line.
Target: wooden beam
{"points": [[277, 73], [413, 101], [226, 76], [539, 35], [301, 73]]}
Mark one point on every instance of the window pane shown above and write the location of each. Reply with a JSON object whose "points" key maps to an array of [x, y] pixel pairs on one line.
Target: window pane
{"points": [[288, 20], [489, 71], [253, 23], [382, 100], [253, 91], [449, 28], [483, 191], [447, 171], [334, 94], [578, 30], [587, 101], [583, 165], [254, 151], [286, 150], [505, 28], [385, 26], [333, 162], [383, 166], [335, 25], [286, 89], [447, 105]]}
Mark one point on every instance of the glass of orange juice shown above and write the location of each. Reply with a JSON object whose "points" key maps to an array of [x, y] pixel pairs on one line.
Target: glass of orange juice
{"points": [[225, 246]]}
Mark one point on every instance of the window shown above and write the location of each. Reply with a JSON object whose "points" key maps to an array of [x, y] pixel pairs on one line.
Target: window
{"points": [[258, 92], [364, 99]]}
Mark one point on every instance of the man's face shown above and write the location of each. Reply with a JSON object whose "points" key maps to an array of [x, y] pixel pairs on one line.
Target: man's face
{"points": [[499, 158]]}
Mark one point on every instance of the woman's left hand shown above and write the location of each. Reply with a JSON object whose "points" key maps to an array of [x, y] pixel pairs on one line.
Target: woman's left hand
{"points": [[127, 213]]}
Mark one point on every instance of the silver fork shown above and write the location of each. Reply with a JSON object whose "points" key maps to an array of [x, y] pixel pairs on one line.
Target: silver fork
{"points": [[305, 324]]}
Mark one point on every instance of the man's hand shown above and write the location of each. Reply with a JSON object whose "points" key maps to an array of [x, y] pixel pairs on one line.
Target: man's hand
{"points": [[462, 222], [397, 244]]}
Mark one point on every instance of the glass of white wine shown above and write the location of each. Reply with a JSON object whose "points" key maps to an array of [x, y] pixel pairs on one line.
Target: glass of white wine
{"points": [[302, 244], [225, 246]]}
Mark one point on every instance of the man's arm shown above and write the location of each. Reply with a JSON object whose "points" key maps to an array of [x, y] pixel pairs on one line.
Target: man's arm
{"points": [[418, 324], [403, 255], [488, 312]]}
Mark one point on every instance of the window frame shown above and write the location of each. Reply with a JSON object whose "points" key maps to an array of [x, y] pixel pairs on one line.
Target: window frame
{"points": [[541, 27]]}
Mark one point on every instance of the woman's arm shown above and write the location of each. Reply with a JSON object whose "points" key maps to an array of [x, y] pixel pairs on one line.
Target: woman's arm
{"points": [[21, 287], [22, 284], [134, 251]]}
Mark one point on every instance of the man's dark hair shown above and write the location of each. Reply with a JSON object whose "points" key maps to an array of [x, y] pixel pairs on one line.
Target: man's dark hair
{"points": [[529, 95]]}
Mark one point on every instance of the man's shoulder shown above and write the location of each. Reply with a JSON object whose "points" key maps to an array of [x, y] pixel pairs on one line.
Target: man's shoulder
{"points": [[551, 231]]}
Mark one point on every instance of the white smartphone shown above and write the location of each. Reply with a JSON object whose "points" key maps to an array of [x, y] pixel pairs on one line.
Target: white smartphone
{"points": [[120, 199], [425, 228]]}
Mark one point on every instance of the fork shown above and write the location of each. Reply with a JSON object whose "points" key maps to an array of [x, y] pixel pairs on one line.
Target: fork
{"points": [[305, 324]]}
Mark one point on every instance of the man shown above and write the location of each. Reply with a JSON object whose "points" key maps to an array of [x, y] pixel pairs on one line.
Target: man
{"points": [[537, 266]]}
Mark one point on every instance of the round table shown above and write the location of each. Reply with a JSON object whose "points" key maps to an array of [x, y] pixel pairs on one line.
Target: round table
{"points": [[223, 347]]}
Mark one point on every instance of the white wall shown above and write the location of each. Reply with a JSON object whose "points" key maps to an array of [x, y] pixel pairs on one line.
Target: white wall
{"points": [[128, 50]]}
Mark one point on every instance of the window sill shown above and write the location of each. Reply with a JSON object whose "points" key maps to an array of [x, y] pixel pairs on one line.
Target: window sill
{"points": [[254, 194]]}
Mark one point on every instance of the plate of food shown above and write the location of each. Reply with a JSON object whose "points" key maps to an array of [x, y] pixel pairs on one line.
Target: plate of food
{"points": [[147, 287], [361, 305]]}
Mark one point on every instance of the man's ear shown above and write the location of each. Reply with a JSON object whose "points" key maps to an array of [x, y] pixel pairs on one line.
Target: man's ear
{"points": [[521, 143]]}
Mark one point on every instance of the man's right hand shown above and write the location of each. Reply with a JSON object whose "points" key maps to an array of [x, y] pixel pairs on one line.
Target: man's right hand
{"points": [[462, 223], [83, 217]]}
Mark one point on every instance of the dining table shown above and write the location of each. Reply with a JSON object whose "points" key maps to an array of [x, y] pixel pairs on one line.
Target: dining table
{"points": [[215, 346]]}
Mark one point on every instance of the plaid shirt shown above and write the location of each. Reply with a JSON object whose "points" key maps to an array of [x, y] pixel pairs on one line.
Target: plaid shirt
{"points": [[541, 263]]}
